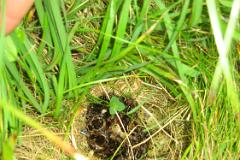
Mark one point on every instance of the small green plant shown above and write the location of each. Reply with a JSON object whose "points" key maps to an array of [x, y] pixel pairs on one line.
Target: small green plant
{"points": [[115, 105]]}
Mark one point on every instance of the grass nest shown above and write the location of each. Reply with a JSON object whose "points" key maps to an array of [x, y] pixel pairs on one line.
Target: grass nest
{"points": [[164, 125]]}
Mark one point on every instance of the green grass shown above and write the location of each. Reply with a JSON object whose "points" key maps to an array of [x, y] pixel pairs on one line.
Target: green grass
{"points": [[187, 46]]}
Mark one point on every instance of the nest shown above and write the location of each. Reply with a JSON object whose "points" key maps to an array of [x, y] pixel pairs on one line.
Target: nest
{"points": [[114, 136]]}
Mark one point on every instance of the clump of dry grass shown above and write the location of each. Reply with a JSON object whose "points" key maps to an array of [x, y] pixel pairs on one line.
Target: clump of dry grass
{"points": [[34, 146]]}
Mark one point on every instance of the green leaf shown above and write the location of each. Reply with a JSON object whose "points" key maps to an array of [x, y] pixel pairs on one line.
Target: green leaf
{"points": [[116, 105], [10, 49]]}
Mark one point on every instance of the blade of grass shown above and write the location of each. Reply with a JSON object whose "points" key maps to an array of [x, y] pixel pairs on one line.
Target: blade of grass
{"points": [[197, 7], [76, 6], [179, 26], [109, 29], [22, 86], [67, 75], [7, 135], [58, 30], [98, 81], [121, 30], [33, 66], [223, 42], [3, 127]]}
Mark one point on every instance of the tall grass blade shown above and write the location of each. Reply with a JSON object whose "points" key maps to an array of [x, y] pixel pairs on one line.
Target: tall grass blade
{"points": [[108, 31], [223, 43], [197, 7], [122, 24]]}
